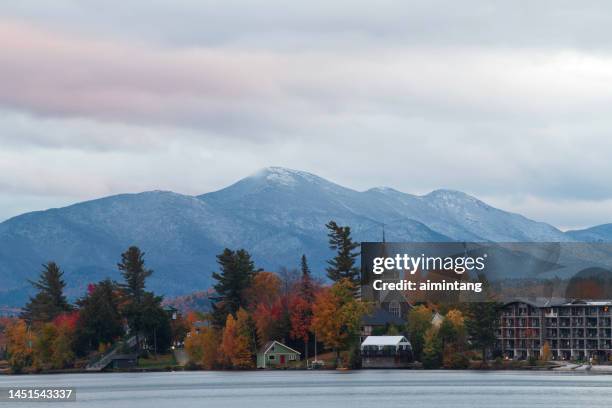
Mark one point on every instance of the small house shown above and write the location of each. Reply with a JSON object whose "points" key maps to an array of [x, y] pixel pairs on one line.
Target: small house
{"points": [[124, 361], [386, 352], [437, 319], [276, 354]]}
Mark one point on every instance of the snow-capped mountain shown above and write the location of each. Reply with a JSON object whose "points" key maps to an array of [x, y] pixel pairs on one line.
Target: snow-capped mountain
{"points": [[277, 214]]}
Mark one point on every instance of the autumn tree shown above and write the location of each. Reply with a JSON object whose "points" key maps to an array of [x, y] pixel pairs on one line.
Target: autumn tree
{"points": [[342, 266], [452, 334], [19, 345], [301, 306], [237, 271], [265, 322], [62, 355], [50, 300], [419, 321], [263, 300], [202, 347], [235, 343], [42, 347], [265, 288], [337, 316], [301, 320]]}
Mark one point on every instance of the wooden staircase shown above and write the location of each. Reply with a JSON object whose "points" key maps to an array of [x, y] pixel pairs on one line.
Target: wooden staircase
{"points": [[107, 358]]}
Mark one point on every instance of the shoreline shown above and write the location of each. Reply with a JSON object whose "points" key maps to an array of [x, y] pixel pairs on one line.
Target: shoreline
{"points": [[567, 369]]}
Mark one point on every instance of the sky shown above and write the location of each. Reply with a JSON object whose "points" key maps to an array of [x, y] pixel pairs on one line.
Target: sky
{"points": [[509, 101]]}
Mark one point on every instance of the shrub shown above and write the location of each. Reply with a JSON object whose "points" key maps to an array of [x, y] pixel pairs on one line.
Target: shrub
{"points": [[456, 361]]}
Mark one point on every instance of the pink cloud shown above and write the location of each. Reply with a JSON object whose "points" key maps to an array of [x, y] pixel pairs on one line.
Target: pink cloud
{"points": [[57, 74]]}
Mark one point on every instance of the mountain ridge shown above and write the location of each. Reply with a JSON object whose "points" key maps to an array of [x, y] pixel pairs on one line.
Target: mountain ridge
{"points": [[276, 213]]}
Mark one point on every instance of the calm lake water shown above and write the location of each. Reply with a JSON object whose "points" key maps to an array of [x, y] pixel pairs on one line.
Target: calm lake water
{"points": [[320, 389]]}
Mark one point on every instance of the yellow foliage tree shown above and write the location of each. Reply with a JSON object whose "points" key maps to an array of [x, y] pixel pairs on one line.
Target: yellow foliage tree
{"points": [[53, 346], [203, 347], [43, 346], [62, 355], [236, 344], [19, 345]]}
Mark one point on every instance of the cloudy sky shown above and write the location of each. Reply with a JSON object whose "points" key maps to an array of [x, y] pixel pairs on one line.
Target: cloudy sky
{"points": [[509, 101]]}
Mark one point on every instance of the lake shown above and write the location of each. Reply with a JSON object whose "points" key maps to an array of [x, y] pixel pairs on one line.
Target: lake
{"points": [[321, 389]]}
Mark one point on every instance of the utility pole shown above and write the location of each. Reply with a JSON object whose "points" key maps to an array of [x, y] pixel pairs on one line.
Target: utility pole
{"points": [[155, 340], [315, 347]]}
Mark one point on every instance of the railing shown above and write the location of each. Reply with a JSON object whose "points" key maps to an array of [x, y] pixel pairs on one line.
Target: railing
{"points": [[104, 360]]}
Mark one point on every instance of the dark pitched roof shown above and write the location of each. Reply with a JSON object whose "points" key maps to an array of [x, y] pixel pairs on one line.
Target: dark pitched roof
{"points": [[381, 317]]}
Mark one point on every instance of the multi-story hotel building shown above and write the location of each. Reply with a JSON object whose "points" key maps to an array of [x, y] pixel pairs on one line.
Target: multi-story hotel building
{"points": [[577, 329]]}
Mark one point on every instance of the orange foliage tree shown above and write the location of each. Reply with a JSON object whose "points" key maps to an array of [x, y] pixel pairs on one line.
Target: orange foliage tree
{"points": [[265, 319], [337, 315], [265, 289], [301, 320], [236, 346], [263, 298]]}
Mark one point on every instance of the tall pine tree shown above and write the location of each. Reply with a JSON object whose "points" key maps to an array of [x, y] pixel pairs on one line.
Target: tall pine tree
{"points": [[132, 267], [236, 273], [306, 288], [50, 301], [301, 307], [143, 309], [482, 319], [342, 266]]}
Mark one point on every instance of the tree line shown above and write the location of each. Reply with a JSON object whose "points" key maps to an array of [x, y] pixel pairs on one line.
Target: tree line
{"points": [[251, 307], [52, 333]]}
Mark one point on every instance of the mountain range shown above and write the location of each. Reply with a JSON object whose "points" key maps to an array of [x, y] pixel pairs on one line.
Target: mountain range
{"points": [[277, 214]]}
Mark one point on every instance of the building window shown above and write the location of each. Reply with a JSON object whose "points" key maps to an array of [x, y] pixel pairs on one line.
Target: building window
{"points": [[395, 309], [271, 357]]}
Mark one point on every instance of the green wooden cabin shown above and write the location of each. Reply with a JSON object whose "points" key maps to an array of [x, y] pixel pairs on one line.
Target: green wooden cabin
{"points": [[275, 354]]}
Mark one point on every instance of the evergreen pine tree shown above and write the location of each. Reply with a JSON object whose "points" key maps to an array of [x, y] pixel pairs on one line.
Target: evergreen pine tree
{"points": [[133, 270], [342, 266], [100, 319], [50, 301], [482, 323], [482, 319], [142, 309], [236, 273], [306, 289]]}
